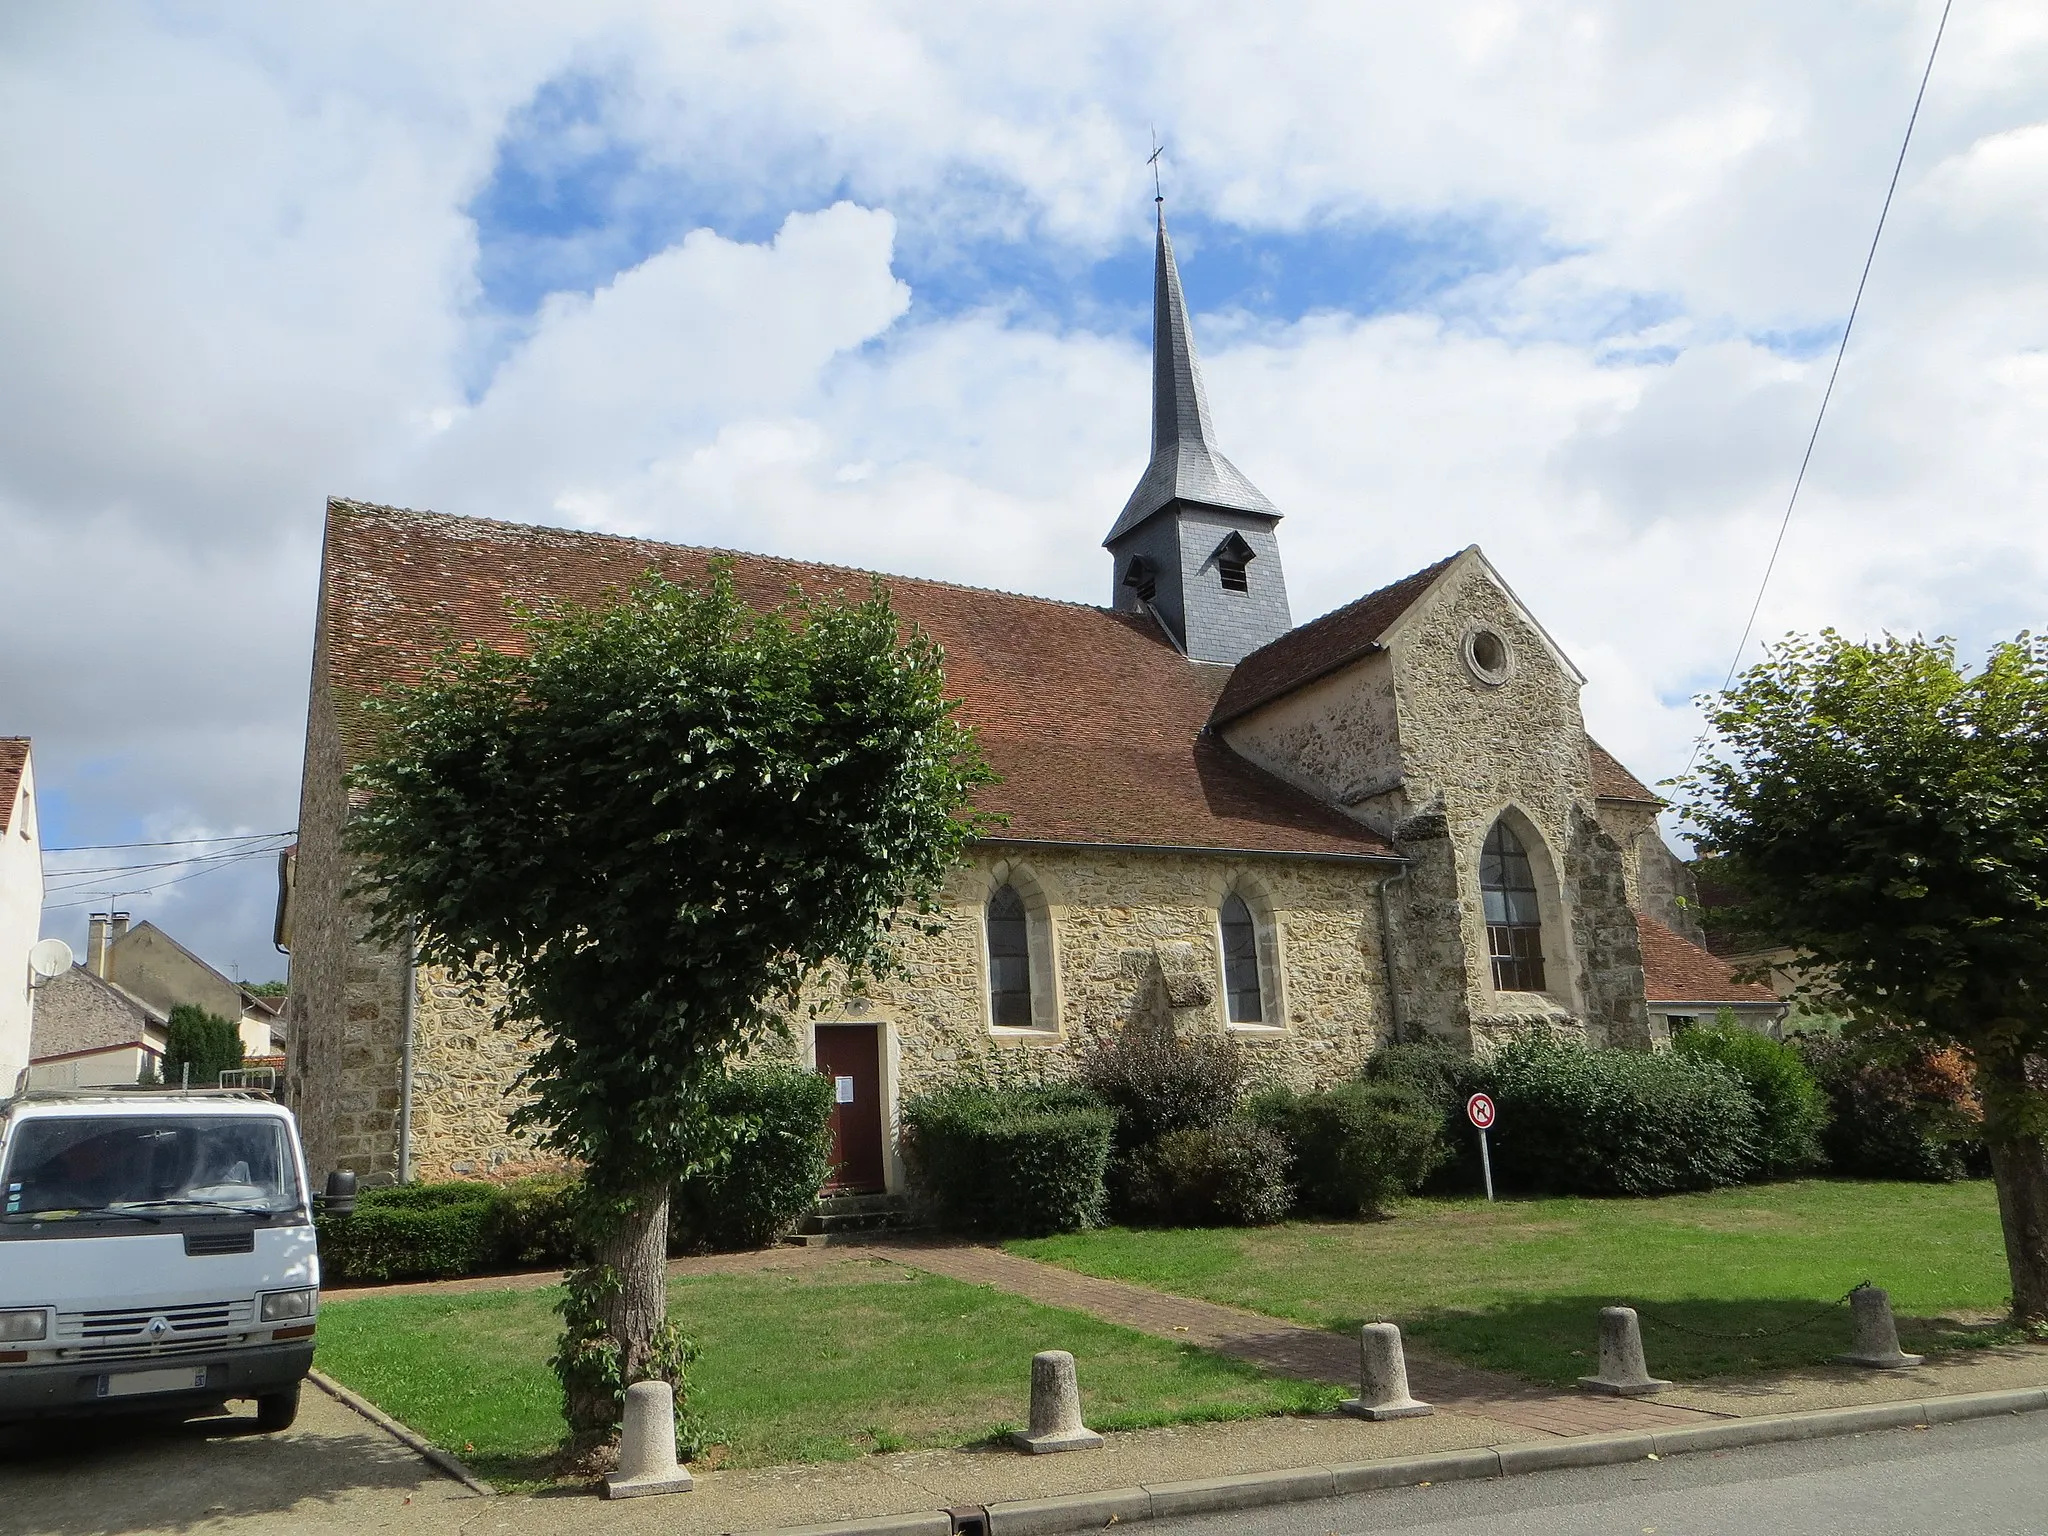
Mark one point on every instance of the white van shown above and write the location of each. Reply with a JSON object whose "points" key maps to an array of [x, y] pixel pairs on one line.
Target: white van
{"points": [[156, 1254]]}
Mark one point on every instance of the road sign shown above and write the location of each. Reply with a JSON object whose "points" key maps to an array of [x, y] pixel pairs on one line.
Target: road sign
{"points": [[1479, 1110]]}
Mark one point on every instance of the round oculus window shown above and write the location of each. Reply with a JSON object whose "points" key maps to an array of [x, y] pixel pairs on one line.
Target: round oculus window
{"points": [[1487, 654]]}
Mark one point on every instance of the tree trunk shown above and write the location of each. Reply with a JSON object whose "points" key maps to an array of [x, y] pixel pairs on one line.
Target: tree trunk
{"points": [[2019, 1165], [629, 1315], [638, 1254]]}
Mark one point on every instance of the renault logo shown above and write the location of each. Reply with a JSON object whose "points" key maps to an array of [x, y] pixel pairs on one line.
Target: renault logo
{"points": [[158, 1327]]}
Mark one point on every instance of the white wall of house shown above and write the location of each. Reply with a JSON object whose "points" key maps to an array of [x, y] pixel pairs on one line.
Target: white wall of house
{"points": [[21, 918]]}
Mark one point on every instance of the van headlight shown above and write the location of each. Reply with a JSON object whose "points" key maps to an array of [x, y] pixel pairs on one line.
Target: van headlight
{"points": [[284, 1306], [21, 1327]]}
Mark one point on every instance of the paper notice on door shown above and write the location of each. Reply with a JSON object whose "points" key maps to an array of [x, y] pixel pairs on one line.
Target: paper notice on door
{"points": [[843, 1089]]}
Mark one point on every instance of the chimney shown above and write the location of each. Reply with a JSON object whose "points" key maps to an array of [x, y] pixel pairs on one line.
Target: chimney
{"points": [[96, 944], [120, 927]]}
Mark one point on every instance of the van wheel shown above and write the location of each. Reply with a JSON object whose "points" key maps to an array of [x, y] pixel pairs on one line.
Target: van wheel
{"points": [[276, 1410]]}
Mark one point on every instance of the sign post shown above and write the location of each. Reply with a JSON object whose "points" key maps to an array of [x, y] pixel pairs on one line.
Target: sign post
{"points": [[1479, 1110]]}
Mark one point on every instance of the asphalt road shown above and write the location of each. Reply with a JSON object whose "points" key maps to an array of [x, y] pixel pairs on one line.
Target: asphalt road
{"points": [[1988, 1477]]}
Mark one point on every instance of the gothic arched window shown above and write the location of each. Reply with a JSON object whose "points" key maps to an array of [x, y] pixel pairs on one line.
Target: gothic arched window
{"points": [[1514, 923], [1009, 959], [1246, 1004]]}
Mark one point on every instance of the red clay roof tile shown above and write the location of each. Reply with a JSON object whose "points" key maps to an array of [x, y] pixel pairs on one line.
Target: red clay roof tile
{"points": [[1676, 970], [13, 758], [1092, 718], [1611, 781]]}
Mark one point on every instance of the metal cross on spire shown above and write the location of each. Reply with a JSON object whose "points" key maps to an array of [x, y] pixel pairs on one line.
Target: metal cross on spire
{"points": [[1158, 149]]}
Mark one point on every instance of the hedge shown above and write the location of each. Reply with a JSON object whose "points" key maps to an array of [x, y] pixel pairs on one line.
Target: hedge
{"points": [[1026, 1161], [1791, 1109], [1230, 1175], [781, 1156], [1896, 1108], [1356, 1147], [415, 1232]]}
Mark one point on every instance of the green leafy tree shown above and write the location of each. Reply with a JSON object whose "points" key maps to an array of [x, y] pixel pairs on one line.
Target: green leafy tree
{"points": [[207, 1042], [645, 831], [1885, 810]]}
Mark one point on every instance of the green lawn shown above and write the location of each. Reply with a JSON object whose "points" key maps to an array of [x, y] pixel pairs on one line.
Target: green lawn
{"points": [[817, 1366], [1518, 1285]]}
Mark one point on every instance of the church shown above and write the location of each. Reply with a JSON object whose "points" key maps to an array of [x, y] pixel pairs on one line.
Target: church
{"points": [[1387, 823]]}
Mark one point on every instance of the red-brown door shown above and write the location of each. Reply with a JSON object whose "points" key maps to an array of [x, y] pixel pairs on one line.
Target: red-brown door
{"points": [[851, 1056]]}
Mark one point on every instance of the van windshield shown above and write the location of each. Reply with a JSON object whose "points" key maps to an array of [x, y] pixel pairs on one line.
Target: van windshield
{"points": [[130, 1166]]}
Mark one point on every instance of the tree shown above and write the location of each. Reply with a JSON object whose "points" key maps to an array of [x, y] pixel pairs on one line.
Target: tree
{"points": [[207, 1042], [1885, 811], [646, 830]]}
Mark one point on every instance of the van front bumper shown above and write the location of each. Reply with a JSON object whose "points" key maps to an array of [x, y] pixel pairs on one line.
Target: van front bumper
{"points": [[72, 1387]]}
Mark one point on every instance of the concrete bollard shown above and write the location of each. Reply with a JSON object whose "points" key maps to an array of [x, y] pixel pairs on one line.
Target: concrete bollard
{"points": [[1055, 1408], [647, 1445], [1876, 1343], [1382, 1377], [1623, 1371]]}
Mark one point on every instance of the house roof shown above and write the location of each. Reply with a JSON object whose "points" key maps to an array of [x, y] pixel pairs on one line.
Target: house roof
{"points": [[1611, 781], [263, 1006], [1092, 718], [1675, 970], [1186, 464], [13, 759], [1321, 646]]}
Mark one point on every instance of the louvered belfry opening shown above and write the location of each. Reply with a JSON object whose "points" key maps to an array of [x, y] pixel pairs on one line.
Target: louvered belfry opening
{"points": [[1009, 959], [1514, 922], [1241, 962]]}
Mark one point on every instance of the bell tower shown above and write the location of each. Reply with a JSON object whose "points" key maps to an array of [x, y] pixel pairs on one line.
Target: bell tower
{"points": [[1195, 545]]}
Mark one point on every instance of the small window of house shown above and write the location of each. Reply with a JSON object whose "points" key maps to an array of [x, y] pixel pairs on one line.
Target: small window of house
{"points": [[1009, 960], [1246, 1004], [1141, 578], [1233, 562], [1488, 657], [1236, 575], [1514, 924]]}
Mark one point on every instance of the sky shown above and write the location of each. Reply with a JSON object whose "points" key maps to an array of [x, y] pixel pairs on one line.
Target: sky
{"points": [[870, 283]]}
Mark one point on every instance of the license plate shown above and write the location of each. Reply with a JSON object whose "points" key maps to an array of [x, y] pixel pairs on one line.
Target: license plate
{"points": [[184, 1378]]}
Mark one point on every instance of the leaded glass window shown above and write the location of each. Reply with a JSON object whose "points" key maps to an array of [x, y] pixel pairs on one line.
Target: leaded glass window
{"points": [[1514, 924], [1241, 962], [1009, 960]]}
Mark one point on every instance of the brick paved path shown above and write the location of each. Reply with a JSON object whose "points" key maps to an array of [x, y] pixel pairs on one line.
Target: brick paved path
{"points": [[1286, 1348]]}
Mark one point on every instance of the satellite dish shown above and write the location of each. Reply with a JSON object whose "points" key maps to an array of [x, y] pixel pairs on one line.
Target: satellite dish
{"points": [[49, 959]]}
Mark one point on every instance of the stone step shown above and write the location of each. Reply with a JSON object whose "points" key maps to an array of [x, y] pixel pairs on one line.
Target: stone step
{"points": [[846, 1218]]}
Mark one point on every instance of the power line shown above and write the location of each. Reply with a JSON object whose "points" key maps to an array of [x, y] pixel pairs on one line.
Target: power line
{"points": [[1834, 373], [96, 870], [172, 842], [94, 900]]}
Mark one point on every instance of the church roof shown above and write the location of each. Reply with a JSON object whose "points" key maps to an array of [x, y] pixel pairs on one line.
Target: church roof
{"points": [[1186, 465], [1611, 781], [13, 759], [1675, 970], [1321, 646], [1094, 721]]}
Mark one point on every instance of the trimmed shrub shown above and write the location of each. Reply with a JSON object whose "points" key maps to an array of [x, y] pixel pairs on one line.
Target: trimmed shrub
{"points": [[1790, 1107], [207, 1042], [1445, 1077], [1575, 1120], [1158, 1082], [414, 1232], [1896, 1108], [1230, 1175], [1356, 1147], [539, 1219], [781, 1154], [1024, 1161]]}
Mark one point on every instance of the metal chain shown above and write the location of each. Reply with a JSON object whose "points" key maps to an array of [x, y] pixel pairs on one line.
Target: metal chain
{"points": [[1825, 1309]]}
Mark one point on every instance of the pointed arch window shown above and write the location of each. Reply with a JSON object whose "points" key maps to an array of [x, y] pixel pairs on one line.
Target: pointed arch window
{"points": [[1009, 959], [1514, 921], [1244, 997]]}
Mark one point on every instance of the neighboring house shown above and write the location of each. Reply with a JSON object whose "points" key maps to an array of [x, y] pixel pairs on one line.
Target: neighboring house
{"points": [[1685, 984], [1386, 823], [21, 904], [91, 1033], [149, 963]]}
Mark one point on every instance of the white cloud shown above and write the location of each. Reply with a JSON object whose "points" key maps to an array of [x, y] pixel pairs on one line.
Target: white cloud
{"points": [[240, 275]]}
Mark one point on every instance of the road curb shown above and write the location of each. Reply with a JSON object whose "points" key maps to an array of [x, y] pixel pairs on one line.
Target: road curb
{"points": [[1151, 1501], [437, 1458]]}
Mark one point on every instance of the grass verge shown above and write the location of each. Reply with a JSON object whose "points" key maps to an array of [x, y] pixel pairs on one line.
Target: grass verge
{"points": [[817, 1365], [1517, 1286]]}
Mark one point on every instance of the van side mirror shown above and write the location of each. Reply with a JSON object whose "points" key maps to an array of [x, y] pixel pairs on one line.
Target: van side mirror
{"points": [[340, 1198]]}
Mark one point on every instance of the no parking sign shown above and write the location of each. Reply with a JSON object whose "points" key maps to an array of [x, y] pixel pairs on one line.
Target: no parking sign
{"points": [[1479, 1110]]}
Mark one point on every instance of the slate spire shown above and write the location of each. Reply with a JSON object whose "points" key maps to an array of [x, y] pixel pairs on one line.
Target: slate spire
{"points": [[1185, 463]]}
